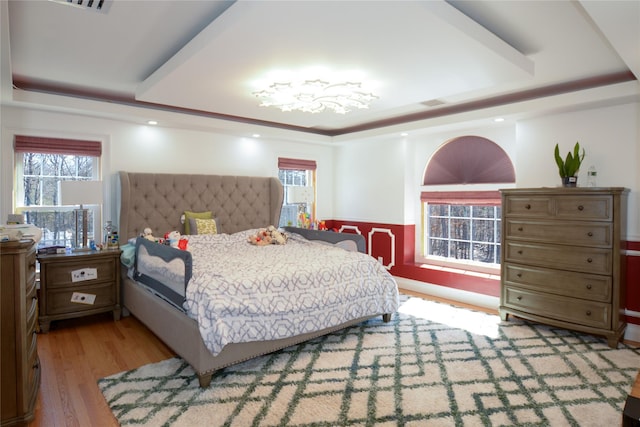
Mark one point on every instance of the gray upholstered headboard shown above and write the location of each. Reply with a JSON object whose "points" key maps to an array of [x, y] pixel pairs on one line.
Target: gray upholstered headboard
{"points": [[158, 200]]}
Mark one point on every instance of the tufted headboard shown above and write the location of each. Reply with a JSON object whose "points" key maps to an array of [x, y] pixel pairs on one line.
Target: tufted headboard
{"points": [[158, 201]]}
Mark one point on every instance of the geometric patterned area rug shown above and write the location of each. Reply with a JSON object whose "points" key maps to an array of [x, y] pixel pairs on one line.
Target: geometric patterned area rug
{"points": [[432, 365]]}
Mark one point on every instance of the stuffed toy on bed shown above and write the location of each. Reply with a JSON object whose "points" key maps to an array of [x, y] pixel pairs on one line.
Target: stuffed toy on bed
{"points": [[268, 236]]}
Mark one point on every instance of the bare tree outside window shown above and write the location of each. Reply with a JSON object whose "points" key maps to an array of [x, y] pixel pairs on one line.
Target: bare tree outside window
{"points": [[38, 196]]}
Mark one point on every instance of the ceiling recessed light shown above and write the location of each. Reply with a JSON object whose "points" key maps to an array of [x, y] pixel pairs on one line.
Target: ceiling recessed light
{"points": [[498, 119], [256, 135], [404, 134], [152, 122]]}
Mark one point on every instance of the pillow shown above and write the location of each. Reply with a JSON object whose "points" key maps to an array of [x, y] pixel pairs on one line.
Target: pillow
{"points": [[203, 226], [188, 215]]}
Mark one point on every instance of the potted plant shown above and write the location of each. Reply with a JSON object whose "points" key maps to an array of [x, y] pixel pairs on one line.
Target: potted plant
{"points": [[569, 167]]}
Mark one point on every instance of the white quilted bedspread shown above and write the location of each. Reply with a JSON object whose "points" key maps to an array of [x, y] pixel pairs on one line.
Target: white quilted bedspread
{"points": [[240, 292]]}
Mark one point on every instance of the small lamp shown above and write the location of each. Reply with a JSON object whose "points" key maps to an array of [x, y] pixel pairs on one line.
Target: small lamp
{"points": [[81, 193], [300, 195]]}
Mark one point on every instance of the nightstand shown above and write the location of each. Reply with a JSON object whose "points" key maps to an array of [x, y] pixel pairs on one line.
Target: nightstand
{"points": [[78, 284]]}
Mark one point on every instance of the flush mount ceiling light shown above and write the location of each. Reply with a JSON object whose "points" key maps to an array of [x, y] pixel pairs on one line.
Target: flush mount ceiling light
{"points": [[315, 96]]}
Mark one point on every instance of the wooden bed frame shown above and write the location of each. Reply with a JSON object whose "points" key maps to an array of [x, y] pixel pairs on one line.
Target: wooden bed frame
{"points": [[238, 203]]}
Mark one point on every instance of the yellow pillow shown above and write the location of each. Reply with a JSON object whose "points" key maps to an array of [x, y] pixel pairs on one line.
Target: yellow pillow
{"points": [[188, 215], [206, 226]]}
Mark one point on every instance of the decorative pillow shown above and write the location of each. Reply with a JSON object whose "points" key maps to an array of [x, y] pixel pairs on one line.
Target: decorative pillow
{"points": [[188, 215], [203, 226]]}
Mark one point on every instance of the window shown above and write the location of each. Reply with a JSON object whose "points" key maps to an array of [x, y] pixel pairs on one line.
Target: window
{"points": [[464, 227], [468, 233], [40, 164], [294, 173]]}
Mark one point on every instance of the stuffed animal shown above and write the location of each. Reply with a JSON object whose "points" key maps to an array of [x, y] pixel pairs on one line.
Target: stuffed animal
{"points": [[147, 234], [268, 236]]}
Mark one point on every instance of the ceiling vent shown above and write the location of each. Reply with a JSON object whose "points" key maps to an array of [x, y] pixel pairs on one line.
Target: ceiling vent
{"points": [[433, 103], [95, 5]]}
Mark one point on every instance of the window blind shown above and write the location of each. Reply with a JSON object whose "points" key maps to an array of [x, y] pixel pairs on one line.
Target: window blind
{"points": [[46, 145]]}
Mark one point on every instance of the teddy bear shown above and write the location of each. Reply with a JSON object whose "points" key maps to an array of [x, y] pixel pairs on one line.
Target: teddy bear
{"points": [[148, 234], [268, 236]]}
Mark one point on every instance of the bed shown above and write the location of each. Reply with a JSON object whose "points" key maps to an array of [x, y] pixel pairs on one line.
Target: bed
{"points": [[238, 204]]}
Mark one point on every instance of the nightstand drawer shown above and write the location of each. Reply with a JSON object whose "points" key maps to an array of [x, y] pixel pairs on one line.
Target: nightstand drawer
{"points": [[59, 300], [581, 312], [61, 274]]}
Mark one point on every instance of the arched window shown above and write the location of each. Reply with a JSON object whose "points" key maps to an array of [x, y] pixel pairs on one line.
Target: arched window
{"points": [[464, 226], [469, 160]]}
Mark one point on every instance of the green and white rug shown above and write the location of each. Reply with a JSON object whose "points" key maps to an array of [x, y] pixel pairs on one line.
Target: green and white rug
{"points": [[432, 365]]}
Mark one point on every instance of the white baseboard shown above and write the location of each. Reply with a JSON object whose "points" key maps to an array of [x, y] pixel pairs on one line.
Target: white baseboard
{"points": [[632, 333]]}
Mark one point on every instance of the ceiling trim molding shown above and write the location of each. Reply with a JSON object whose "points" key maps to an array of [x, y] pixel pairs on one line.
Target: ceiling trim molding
{"points": [[527, 95]]}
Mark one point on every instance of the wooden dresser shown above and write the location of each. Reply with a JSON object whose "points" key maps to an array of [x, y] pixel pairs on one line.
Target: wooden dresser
{"points": [[20, 366], [561, 258]]}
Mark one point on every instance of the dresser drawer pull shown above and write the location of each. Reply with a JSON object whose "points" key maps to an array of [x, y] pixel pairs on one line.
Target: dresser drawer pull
{"points": [[580, 208], [527, 206], [520, 252], [519, 298], [520, 228], [589, 286], [519, 275], [588, 312], [590, 234], [589, 260]]}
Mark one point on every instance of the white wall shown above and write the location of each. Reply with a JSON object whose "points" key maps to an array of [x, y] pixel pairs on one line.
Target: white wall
{"points": [[141, 148], [385, 174]]}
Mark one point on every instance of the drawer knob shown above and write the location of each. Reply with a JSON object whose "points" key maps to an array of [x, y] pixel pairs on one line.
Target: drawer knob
{"points": [[520, 252], [519, 298], [589, 286], [580, 207], [520, 228], [589, 260], [588, 312], [519, 274], [590, 234], [527, 206]]}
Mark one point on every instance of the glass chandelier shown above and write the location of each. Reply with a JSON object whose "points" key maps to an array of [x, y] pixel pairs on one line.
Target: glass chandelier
{"points": [[315, 96]]}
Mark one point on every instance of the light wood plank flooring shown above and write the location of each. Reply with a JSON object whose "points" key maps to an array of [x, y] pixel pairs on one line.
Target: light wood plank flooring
{"points": [[78, 352]]}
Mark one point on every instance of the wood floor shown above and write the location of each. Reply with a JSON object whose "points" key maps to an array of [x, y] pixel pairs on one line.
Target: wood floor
{"points": [[77, 352]]}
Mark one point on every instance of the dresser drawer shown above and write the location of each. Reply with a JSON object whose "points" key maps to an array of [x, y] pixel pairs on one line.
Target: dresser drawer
{"points": [[574, 258], [594, 208], [562, 232], [578, 285], [59, 300], [528, 206], [581, 312], [60, 274]]}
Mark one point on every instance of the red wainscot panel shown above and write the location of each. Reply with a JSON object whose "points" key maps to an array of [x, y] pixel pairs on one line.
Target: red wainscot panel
{"points": [[633, 280], [394, 246]]}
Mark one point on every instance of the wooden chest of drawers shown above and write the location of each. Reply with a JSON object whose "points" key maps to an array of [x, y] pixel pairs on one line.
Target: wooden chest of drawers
{"points": [[79, 284], [20, 366], [561, 258]]}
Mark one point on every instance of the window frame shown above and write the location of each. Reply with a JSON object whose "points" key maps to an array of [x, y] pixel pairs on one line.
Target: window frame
{"points": [[467, 198], [56, 146], [308, 167]]}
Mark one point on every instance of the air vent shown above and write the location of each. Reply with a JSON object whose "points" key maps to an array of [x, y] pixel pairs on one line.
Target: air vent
{"points": [[94, 5], [433, 103]]}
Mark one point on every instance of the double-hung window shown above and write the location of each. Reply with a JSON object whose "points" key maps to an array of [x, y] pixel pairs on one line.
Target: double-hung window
{"points": [[462, 228], [40, 164], [296, 173]]}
